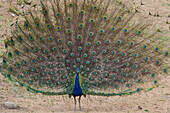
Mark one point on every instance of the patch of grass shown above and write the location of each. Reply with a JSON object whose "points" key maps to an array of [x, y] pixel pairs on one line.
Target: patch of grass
{"points": [[146, 110], [161, 100], [168, 4]]}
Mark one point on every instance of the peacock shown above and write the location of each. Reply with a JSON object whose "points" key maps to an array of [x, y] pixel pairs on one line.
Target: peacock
{"points": [[84, 47]]}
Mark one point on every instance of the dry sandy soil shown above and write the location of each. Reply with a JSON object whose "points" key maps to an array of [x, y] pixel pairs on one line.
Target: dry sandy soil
{"points": [[154, 101]]}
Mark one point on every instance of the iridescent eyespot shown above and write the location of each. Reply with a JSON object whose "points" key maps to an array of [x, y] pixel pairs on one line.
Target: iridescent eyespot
{"points": [[113, 28], [144, 70], [117, 61], [50, 38], [68, 61], [139, 32], [118, 42], [95, 60], [103, 51], [72, 54], [116, 70], [81, 66], [119, 18], [79, 37], [88, 62], [51, 58], [134, 65], [146, 58], [78, 59], [124, 54], [58, 14], [85, 55], [48, 26], [166, 54], [58, 28], [68, 68], [16, 52], [153, 74], [81, 25], [91, 34], [9, 54], [87, 69], [113, 52], [45, 51], [70, 4], [82, 12], [68, 19], [59, 40], [61, 59], [31, 38], [92, 21], [165, 70], [101, 31], [40, 39], [106, 60], [135, 55], [88, 44], [125, 30], [54, 48], [126, 64], [74, 66], [79, 48], [144, 46], [26, 50], [68, 31], [156, 49], [64, 51], [93, 52], [41, 58], [95, 7], [98, 42], [132, 43], [95, 73], [139, 80], [108, 41], [25, 24], [42, 67], [45, 12], [105, 17], [69, 43]]}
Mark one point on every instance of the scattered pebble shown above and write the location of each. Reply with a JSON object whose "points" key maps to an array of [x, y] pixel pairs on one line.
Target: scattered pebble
{"points": [[139, 107], [11, 105]]}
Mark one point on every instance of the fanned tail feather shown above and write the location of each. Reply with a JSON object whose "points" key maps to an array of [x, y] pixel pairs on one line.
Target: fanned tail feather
{"points": [[116, 53]]}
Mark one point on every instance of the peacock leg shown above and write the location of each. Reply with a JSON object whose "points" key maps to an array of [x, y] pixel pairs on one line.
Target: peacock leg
{"points": [[79, 103], [75, 102]]}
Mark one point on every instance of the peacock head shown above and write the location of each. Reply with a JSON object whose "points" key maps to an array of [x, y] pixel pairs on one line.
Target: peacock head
{"points": [[78, 70]]}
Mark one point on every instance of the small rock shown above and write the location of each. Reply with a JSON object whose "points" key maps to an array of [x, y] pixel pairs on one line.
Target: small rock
{"points": [[139, 107], [167, 93], [11, 105]]}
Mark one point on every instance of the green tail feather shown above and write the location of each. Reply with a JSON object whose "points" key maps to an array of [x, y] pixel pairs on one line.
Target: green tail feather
{"points": [[116, 54]]}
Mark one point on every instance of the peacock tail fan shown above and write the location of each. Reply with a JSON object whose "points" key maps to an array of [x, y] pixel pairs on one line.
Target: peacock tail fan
{"points": [[116, 52]]}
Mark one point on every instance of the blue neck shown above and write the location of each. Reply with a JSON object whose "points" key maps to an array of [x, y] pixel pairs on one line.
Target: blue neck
{"points": [[77, 89]]}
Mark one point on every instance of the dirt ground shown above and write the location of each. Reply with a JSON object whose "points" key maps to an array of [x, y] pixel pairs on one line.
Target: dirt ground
{"points": [[154, 101]]}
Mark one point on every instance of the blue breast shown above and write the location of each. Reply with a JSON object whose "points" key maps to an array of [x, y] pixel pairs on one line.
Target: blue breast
{"points": [[77, 89]]}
